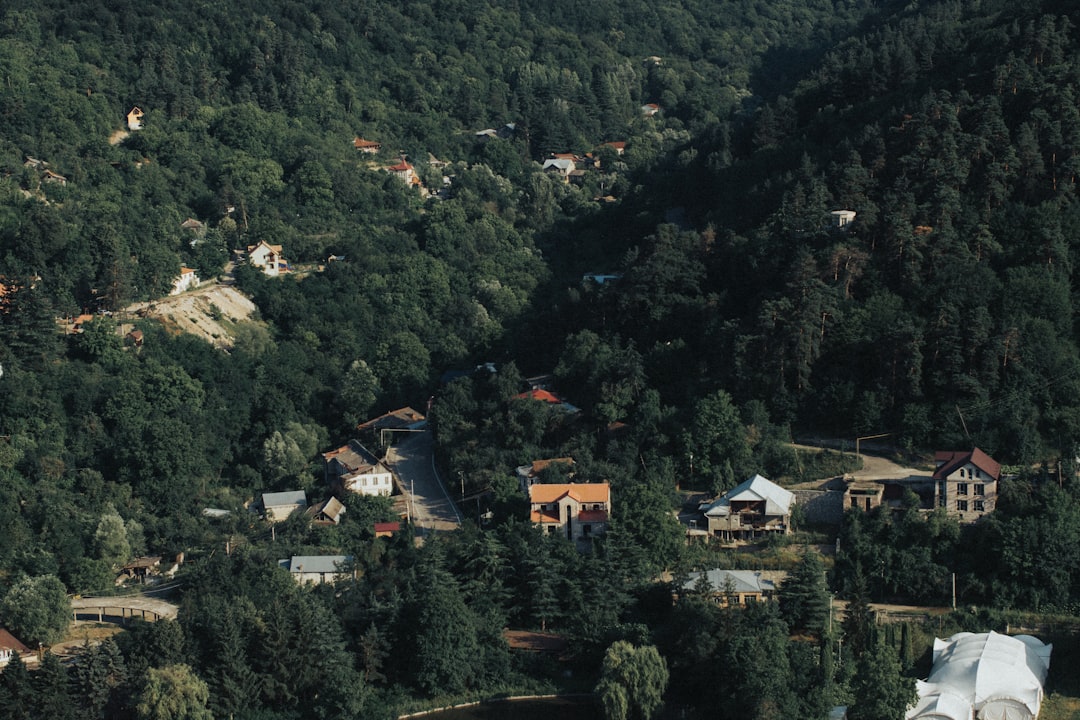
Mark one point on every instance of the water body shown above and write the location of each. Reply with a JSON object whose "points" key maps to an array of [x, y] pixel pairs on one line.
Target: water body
{"points": [[562, 708]]}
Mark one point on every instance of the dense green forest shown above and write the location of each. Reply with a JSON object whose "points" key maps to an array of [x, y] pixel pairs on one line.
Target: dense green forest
{"points": [[738, 318]]}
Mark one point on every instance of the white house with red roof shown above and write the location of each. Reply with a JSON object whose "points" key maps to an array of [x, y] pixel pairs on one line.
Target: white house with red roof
{"points": [[405, 172], [966, 483], [581, 511], [267, 258], [9, 647]]}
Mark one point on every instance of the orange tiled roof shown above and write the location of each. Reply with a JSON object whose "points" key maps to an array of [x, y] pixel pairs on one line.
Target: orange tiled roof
{"points": [[539, 516], [582, 492], [540, 394]]}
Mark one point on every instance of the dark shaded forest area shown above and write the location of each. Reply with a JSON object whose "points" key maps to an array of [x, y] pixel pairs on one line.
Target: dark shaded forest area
{"points": [[720, 138]]}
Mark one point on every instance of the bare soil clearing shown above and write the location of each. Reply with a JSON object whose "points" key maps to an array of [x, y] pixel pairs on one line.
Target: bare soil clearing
{"points": [[211, 312]]}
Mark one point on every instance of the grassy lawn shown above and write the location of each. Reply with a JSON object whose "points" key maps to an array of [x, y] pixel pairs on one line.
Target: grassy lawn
{"points": [[1060, 707]]}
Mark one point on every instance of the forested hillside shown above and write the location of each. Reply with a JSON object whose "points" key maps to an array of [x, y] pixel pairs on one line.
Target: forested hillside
{"points": [[734, 317]]}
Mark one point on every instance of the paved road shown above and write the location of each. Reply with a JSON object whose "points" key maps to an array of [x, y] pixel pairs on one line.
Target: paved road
{"points": [[411, 460], [110, 609]]}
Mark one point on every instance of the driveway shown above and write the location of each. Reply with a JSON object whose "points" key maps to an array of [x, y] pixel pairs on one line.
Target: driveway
{"points": [[430, 506]]}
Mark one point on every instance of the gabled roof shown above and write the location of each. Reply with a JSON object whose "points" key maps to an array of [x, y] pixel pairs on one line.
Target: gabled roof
{"points": [[261, 243], [361, 144], [548, 397], [352, 458], [949, 461], [10, 642], [563, 165], [402, 418], [743, 581], [296, 498], [582, 492], [777, 499]]}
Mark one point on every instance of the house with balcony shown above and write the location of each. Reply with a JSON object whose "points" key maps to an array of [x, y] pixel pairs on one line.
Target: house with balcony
{"points": [[580, 511], [267, 258], [751, 510], [966, 483]]}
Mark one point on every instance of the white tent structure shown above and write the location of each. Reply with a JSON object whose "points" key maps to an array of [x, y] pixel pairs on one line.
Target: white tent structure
{"points": [[984, 676]]}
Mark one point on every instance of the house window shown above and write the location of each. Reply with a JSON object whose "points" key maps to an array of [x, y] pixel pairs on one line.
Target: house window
{"points": [[978, 506], [363, 482], [750, 599], [551, 529], [961, 488], [980, 489], [961, 505], [961, 472], [941, 494]]}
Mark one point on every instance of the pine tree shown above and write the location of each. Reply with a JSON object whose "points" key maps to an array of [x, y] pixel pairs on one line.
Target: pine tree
{"points": [[804, 599], [53, 700]]}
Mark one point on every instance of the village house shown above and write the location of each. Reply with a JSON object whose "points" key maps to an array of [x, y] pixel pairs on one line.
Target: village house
{"points": [[386, 529], [736, 587], [267, 258], [328, 512], [546, 396], [563, 167], [140, 569], [50, 177], [134, 119], [278, 506], [619, 146], [187, 280], [753, 509], [842, 218], [581, 511], [528, 474], [353, 468], [404, 172], [193, 225], [966, 483], [9, 647], [401, 420], [319, 569], [649, 109], [369, 147]]}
